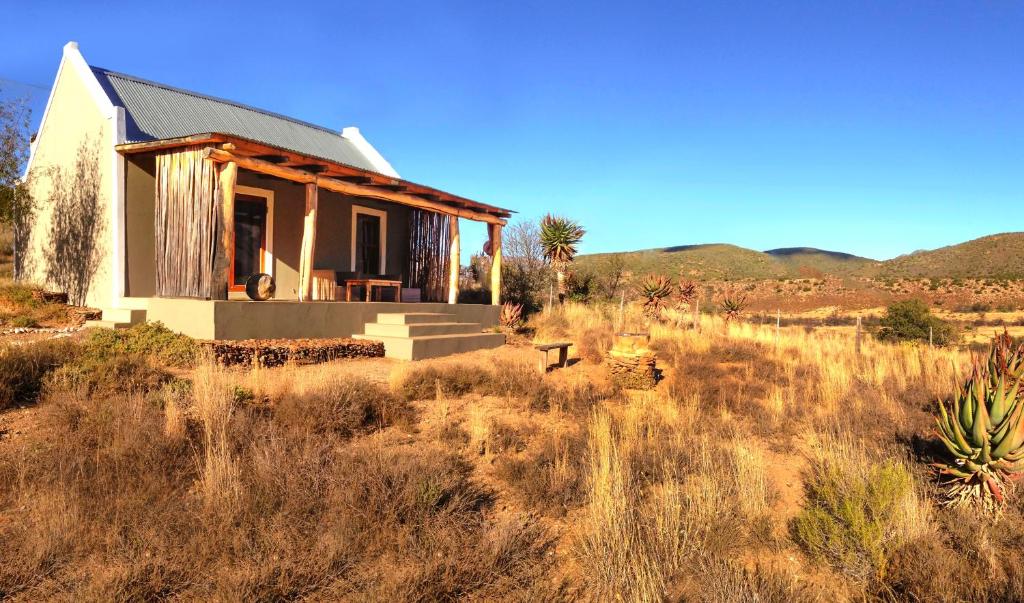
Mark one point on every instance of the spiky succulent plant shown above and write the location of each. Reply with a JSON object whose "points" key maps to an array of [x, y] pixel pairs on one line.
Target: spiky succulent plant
{"points": [[654, 289], [983, 430], [511, 316], [687, 291], [733, 305]]}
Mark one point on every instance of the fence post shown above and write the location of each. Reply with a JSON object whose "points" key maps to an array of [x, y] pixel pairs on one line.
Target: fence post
{"points": [[696, 315], [857, 344], [930, 337], [622, 313], [778, 324]]}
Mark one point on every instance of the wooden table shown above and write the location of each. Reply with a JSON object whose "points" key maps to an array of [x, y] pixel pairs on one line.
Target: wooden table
{"points": [[369, 284]]}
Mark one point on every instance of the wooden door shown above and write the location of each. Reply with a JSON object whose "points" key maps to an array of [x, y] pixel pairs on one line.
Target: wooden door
{"points": [[368, 244], [250, 239]]}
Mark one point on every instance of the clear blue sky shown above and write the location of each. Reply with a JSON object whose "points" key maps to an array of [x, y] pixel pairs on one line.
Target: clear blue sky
{"points": [[875, 128]]}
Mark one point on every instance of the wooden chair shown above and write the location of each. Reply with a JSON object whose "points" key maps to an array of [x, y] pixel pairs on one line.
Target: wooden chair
{"points": [[324, 285]]}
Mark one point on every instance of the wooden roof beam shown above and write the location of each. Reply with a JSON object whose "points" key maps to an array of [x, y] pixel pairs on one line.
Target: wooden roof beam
{"points": [[348, 188], [272, 158]]}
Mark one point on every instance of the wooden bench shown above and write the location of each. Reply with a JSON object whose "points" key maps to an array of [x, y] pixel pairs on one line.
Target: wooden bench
{"points": [[544, 348]]}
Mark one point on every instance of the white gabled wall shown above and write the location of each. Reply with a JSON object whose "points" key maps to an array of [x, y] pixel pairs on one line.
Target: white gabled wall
{"points": [[78, 108], [380, 165]]}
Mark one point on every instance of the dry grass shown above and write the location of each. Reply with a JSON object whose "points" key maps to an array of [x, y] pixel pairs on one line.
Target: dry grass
{"points": [[758, 470]]}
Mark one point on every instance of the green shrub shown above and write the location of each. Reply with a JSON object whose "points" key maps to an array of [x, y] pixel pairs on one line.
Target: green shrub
{"points": [[107, 376], [912, 320], [24, 321], [858, 513], [23, 368], [19, 308], [145, 339]]}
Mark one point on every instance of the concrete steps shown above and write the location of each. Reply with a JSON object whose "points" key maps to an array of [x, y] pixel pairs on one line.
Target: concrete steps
{"points": [[106, 324], [422, 329], [117, 318], [420, 335]]}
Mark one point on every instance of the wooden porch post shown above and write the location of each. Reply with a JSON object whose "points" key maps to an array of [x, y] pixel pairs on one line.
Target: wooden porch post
{"points": [[220, 280], [454, 260], [308, 244], [495, 263]]}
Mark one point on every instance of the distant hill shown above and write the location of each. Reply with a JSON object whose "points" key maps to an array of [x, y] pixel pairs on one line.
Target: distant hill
{"points": [[995, 256], [716, 261], [804, 261]]}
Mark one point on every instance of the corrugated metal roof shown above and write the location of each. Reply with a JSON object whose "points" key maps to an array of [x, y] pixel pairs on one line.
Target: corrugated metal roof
{"points": [[155, 111]]}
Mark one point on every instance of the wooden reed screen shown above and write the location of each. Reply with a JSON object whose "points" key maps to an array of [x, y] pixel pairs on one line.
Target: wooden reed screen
{"points": [[186, 223], [428, 254]]}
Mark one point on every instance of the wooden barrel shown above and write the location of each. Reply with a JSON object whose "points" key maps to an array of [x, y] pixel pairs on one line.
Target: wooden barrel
{"points": [[260, 287]]}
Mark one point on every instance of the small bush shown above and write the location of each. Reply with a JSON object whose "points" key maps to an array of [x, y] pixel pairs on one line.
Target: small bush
{"points": [[552, 479], [427, 382], [858, 512], [23, 369], [594, 343], [504, 438], [342, 405], [20, 307], [24, 322], [107, 376], [912, 320], [145, 339]]}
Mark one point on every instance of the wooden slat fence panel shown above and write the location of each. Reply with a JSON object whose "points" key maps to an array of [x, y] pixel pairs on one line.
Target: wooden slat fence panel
{"points": [[186, 223], [428, 254]]}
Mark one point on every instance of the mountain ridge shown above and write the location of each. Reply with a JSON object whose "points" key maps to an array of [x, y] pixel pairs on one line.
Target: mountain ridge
{"points": [[999, 256]]}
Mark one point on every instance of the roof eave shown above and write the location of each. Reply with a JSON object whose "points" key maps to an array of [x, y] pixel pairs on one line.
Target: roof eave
{"points": [[341, 170]]}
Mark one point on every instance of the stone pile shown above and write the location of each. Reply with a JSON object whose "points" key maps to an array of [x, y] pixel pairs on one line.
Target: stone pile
{"points": [[50, 297], [631, 364], [277, 352]]}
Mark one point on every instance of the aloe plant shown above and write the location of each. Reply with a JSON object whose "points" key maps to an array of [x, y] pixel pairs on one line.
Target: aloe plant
{"points": [[654, 289], [511, 316], [687, 291], [559, 238], [983, 430], [733, 306]]}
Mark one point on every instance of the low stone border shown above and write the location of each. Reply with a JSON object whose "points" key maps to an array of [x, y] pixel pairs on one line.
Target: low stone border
{"points": [[20, 330], [276, 352]]}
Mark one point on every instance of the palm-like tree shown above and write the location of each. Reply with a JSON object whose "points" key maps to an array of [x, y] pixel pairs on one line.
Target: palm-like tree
{"points": [[559, 238]]}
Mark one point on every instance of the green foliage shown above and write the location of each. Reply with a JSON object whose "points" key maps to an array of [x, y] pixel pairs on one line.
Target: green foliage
{"points": [[580, 285], [19, 308], [559, 237], [910, 320], [145, 339], [14, 150], [107, 376], [849, 519], [16, 203], [24, 321]]}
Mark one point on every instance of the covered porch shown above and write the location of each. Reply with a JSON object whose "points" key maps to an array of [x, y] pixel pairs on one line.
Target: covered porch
{"points": [[207, 212], [226, 207]]}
